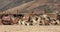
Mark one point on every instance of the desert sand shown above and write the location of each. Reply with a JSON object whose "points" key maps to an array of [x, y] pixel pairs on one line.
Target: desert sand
{"points": [[21, 28]]}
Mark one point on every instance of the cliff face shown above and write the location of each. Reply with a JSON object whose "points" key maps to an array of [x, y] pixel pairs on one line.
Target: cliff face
{"points": [[31, 6]]}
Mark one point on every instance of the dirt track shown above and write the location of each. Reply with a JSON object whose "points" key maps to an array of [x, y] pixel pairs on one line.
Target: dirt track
{"points": [[18, 28]]}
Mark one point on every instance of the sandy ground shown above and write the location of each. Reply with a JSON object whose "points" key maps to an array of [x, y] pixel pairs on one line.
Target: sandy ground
{"points": [[21, 28]]}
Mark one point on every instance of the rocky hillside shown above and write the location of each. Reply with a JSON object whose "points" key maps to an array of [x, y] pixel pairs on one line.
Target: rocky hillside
{"points": [[31, 6], [7, 4]]}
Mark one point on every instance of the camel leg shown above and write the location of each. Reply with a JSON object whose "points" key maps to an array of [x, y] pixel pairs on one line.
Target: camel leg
{"points": [[23, 22]]}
